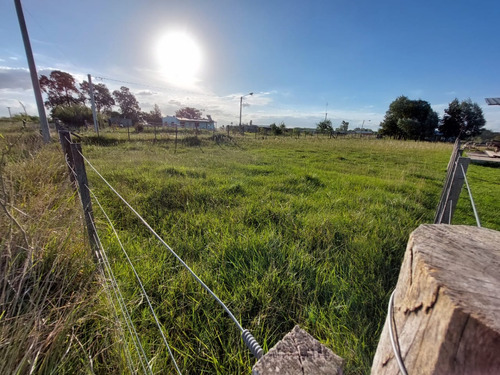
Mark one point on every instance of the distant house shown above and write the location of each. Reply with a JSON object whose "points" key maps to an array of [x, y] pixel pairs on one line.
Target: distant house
{"points": [[186, 123]]}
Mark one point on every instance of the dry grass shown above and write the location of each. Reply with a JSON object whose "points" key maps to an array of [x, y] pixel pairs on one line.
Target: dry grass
{"points": [[48, 298]]}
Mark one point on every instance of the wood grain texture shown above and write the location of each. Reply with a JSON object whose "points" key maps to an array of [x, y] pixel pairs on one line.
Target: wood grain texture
{"points": [[446, 304], [301, 354]]}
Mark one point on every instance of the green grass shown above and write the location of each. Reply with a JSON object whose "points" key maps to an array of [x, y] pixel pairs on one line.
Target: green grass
{"points": [[483, 182], [286, 231]]}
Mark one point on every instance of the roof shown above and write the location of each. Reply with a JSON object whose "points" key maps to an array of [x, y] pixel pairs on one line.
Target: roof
{"points": [[194, 119], [493, 101]]}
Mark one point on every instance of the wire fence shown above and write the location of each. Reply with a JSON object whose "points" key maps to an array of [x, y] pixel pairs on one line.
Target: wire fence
{"points": [[456, 176], [73, 159]]}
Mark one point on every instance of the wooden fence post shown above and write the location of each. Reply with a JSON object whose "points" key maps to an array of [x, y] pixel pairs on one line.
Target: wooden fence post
{"points": [[65, 139], [446, 313], [81, 176], [299, 354]]}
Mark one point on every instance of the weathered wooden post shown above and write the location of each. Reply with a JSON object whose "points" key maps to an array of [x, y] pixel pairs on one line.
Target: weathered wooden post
{"points": [[81, 177], [65, 139], [299, 354], [446, 314]]}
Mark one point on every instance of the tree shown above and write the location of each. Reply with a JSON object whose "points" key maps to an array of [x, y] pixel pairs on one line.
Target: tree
{"points": [[129, 106], [60, 88], [153, 116], [324, 127], [464, 119], [343, 127], [102, 96], [275, 129], [409, 119], [189, 113], [74, 115]]}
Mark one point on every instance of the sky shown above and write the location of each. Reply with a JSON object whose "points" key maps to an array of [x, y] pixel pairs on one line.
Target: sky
{"points": [[302, 60]]}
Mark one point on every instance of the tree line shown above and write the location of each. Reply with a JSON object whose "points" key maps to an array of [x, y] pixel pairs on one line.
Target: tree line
{"points": [[415, 119], [67, 101]]}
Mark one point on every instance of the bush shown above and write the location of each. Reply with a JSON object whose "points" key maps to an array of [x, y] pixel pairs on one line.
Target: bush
{"points": [[73, 115]]}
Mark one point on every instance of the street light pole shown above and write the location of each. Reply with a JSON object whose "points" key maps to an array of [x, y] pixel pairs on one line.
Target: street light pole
{"points": [[241, 104]]}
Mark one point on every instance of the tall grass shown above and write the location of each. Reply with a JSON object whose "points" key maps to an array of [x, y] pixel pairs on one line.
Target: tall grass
{"points": [[52, 316], [286, 231]]}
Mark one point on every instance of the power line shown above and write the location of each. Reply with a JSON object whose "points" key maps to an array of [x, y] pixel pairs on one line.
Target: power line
{"points": [[248, 339]]}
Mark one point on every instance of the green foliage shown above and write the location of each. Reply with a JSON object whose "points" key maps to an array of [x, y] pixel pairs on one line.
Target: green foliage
{"points": [[61, 89], [487, 135], [189, 112], [51, 315], [154, 116], [343, 127], [102, 97], [464, 119], [285, 232], [324, 127], [73, 115], [277, 130], [409, 119], [129, 106]]}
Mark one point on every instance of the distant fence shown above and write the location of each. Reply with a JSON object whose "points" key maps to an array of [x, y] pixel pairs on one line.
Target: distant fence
{"points": [[455, 176], [76, 162]]}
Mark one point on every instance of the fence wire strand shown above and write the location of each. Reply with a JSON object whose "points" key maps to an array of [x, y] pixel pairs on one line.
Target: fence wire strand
{"points": [[248, 339], [393, 336], [121, 302], [471, 198], [167, 246], [138, 280]]}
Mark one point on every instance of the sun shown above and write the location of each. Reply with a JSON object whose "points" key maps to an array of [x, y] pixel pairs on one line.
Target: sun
{"points": [[179, 58]]}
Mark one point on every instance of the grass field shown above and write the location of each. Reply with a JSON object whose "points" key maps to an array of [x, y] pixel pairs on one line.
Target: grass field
{"points": [[286, 231]]}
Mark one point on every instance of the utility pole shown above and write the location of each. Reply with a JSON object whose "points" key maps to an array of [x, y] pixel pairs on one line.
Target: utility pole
{"points": [[326, 111], [241, 105], [10, 114], [92, 100], [44, 125]]}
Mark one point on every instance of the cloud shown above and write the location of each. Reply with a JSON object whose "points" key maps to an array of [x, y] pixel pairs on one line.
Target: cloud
{"points": [[175, 102], [146, 93], [14, 78]]}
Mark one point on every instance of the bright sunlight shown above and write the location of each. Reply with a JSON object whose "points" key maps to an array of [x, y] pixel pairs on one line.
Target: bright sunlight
{"points": [[179, 57]]}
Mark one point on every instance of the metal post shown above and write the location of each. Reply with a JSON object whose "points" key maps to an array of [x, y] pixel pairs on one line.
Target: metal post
{"points": [[44, 125]]}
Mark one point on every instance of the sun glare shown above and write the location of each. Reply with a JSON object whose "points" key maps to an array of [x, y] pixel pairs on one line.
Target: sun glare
{"points": [[179, 57]]}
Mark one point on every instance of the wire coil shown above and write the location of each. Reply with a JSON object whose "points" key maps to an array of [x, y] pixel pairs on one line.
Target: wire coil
{"points": [[252, 344]]}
